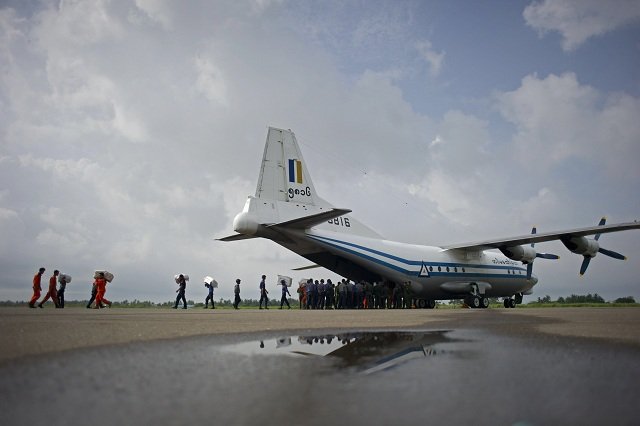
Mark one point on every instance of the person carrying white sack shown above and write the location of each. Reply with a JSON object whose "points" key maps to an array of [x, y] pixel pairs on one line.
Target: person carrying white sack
{"points": [[182, 287]]}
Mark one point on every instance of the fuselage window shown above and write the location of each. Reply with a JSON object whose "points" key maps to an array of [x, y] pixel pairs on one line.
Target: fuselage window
{"points": [[455, 269], [439, 269], [431, 268], [447, 269], [463, 270]]}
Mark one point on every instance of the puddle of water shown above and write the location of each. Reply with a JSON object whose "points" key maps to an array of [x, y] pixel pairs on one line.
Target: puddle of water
{"points": [[368, 352]]}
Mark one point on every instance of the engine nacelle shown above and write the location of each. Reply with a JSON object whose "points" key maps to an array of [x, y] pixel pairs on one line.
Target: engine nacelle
{"points": [[582, 245], [523, 254], [245, 223]]}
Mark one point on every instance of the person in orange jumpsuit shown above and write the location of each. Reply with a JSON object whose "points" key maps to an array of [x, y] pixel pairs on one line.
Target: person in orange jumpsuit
{"points": [[101, 285], [37, 288], [53, 292]]}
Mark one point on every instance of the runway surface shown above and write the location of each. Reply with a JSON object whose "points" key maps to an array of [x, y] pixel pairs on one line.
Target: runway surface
{"points": [[149, 366]]}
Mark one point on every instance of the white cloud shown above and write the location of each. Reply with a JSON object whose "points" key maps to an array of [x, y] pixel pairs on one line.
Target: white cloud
{"points": [[579, 20], [198, 83], [210, 81], [434, 59], [77, 23], [80, 170], [11, 229], [558, 119], [157, 10]]}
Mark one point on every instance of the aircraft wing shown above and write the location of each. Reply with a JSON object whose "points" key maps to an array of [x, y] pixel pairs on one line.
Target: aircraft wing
{"points": [[547, 236]]}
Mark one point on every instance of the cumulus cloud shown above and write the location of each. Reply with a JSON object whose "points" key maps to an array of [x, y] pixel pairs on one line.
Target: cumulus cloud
{"points": [[558, 119], [579, 20], [134, 146], [434, 59], [158, 11], [210, 81]]}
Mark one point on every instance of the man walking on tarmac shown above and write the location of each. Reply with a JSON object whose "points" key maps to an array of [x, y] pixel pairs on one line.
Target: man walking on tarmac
{"points": [[53, 292], [236, 292], [263, 293], [209, 296], [182, 287], [285, 292], [37, 288]]}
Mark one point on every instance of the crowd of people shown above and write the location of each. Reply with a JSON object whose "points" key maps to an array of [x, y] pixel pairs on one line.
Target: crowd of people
{"points": [[318, 294], [56, 294], [312, 294]]}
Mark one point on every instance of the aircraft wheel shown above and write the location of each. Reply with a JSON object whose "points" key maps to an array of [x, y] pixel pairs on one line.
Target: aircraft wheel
{"points": [[506, 303], [475, 302], [431, 304], [484, 302], [512, 303], [421, 303]]}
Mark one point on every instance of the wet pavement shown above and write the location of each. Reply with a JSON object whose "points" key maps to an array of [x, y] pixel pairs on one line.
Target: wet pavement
{"points": [[480, 372]]}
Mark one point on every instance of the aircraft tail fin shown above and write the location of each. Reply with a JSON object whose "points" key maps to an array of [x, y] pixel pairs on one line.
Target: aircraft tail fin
{"points": [[286, 199], [284, 175]]}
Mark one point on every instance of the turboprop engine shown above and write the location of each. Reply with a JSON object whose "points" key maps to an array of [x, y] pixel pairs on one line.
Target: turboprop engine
{"points": [[526, 255], [589, 248], [522, 254], [582, 245]]}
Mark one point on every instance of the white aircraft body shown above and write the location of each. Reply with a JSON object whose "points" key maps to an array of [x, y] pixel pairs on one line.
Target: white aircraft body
{"points": [[287, 210]]}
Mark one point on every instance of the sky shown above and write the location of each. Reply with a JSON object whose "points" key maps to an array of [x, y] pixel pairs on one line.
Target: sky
{"points": [[131, 132]]}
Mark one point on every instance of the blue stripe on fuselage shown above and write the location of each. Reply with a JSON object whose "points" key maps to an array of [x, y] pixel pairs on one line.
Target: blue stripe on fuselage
{"points": [[332, 243]]}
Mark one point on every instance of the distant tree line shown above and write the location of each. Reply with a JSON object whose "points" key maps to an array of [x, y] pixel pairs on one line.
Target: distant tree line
{"points": [[589, 298]]}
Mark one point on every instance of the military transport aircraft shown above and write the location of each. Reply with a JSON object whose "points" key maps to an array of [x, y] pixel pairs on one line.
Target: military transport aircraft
{"points": [[287, 210]]}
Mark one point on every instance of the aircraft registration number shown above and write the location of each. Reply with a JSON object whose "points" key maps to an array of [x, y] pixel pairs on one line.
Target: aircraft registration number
{"points": [[340, 221]]}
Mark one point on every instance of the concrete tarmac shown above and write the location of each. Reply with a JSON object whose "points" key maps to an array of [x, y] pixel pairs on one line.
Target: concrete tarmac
{"points": [[151, 366]]}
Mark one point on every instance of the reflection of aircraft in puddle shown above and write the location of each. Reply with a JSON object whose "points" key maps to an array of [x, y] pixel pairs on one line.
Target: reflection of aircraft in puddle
{"points": [[372, 351]]}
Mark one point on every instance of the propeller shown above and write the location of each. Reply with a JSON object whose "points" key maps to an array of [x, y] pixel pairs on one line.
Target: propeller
{"points": [[540, 255], [610, 253]]}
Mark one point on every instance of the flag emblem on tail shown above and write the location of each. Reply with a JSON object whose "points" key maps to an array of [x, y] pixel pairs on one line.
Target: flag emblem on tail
{"points": [[295, 171]]}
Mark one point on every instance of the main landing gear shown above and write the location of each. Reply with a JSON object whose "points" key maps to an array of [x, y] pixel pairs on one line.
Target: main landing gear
{"points": [[477, 302], [509, 303], [425, 303], [512, 302]]}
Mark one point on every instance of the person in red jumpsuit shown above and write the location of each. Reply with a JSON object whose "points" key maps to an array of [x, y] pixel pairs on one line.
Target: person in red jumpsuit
{"points": [[37, 288], [101, 285], [53, 292]]}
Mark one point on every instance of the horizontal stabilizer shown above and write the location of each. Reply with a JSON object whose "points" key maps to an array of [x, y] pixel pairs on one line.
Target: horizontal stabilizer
{"points": [[311, 220], [236, 237], [304, 268]]}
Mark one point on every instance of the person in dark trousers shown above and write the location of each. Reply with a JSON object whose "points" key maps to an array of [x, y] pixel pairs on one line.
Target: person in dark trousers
{"points": [[209, 296], [182, 286], [329, 294], [285, 292], [236, 292], [94, 292], [63, 285], [263, 293]]}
